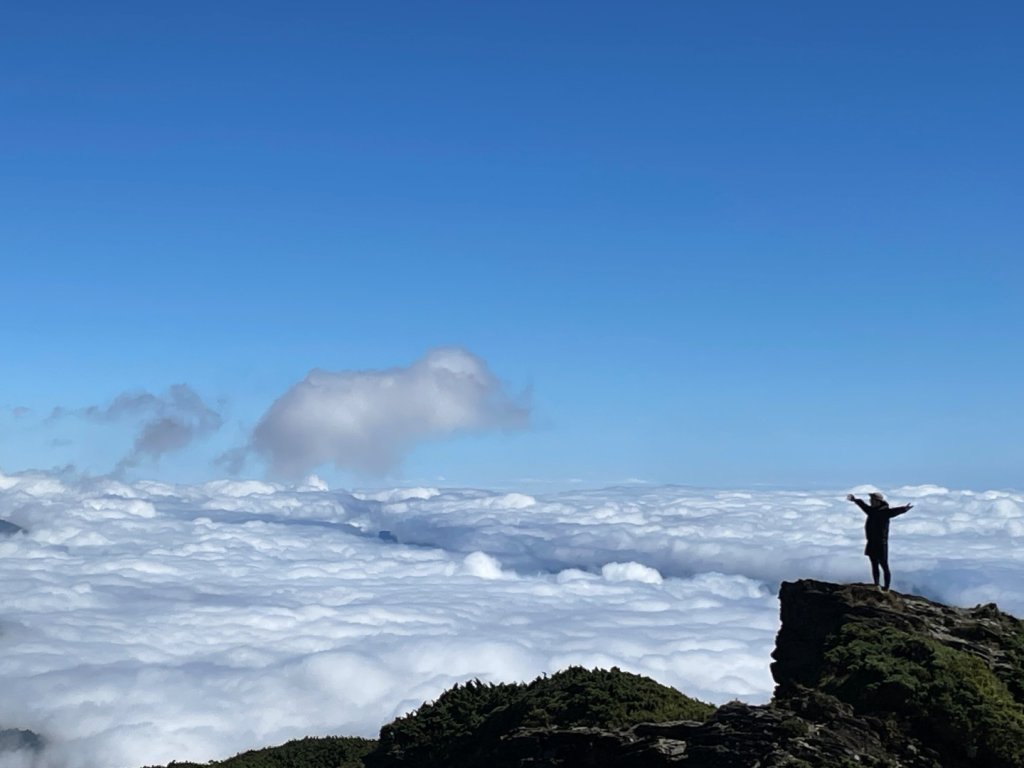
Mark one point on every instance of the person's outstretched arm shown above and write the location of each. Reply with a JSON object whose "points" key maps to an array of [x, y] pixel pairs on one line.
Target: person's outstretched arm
{"points": [[863, 507], [893, 511]]}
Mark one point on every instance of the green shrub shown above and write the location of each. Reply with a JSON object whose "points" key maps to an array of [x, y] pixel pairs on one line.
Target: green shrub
{"points": [[944, 696], [327, 752], [465, 724]]}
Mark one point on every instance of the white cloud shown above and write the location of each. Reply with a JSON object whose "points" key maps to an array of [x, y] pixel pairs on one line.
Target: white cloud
{"points": [[482, 565], [630, 572], [146, 622], [368, 420]]}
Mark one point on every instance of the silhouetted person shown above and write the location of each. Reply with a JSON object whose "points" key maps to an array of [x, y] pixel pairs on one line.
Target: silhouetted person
{"points": [[876, 528]]}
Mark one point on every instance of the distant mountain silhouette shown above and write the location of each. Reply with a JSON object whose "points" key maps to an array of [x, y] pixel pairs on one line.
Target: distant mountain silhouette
{"points": [[13, 739]]}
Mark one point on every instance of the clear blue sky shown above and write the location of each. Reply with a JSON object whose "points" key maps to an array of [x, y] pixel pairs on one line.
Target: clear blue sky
{"points": [[719, 243]]}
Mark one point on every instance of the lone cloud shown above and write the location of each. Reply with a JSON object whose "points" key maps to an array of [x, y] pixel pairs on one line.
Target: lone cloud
{"points": [[369, 420]]}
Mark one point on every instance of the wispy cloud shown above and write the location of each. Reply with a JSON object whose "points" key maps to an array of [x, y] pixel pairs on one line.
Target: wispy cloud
{"points": [[165, 423], [369, 420]]}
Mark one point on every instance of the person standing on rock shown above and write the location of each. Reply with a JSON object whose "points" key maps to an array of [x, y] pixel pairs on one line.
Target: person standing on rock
{"points": [[876, 528]]}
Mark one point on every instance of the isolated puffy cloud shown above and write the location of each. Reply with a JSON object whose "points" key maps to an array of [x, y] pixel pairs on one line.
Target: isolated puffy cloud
{"points": [[482, 565], [368, 420], [630, 572], [146, 622], [166, 423]]}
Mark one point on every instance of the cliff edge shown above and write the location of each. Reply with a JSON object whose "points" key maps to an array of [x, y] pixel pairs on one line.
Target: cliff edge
{"points": [[863, 678]]}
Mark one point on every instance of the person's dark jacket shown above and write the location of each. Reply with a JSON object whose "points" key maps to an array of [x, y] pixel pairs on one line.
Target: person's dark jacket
{"points": [[876, 527]]}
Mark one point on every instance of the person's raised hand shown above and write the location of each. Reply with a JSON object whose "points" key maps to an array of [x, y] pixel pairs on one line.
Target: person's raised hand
{"points": [[849, 497]]}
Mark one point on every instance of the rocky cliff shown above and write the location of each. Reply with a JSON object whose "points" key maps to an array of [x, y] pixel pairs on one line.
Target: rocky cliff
{"points": [[864, 678]]}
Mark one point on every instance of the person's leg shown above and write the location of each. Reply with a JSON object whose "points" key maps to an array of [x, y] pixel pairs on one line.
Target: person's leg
{"points": [[884, 562], [874, 569]]}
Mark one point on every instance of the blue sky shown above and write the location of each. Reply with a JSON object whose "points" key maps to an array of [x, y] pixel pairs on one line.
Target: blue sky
{"points": [[734, 244]]}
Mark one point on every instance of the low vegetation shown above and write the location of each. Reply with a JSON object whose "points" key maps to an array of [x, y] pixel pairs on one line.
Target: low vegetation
{"points": [[944, 696], [327, 752], [466, 723]]}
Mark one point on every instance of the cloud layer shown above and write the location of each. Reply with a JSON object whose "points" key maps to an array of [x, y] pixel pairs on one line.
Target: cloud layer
{"points": [[148, 622], [368, 420]]}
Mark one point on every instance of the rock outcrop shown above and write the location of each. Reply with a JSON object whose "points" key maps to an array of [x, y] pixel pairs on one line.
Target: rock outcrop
{"points": [[864, 678], [814, 613]]}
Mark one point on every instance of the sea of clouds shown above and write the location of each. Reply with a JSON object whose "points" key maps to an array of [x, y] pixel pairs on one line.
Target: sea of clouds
{"points": [[147, 622]]}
